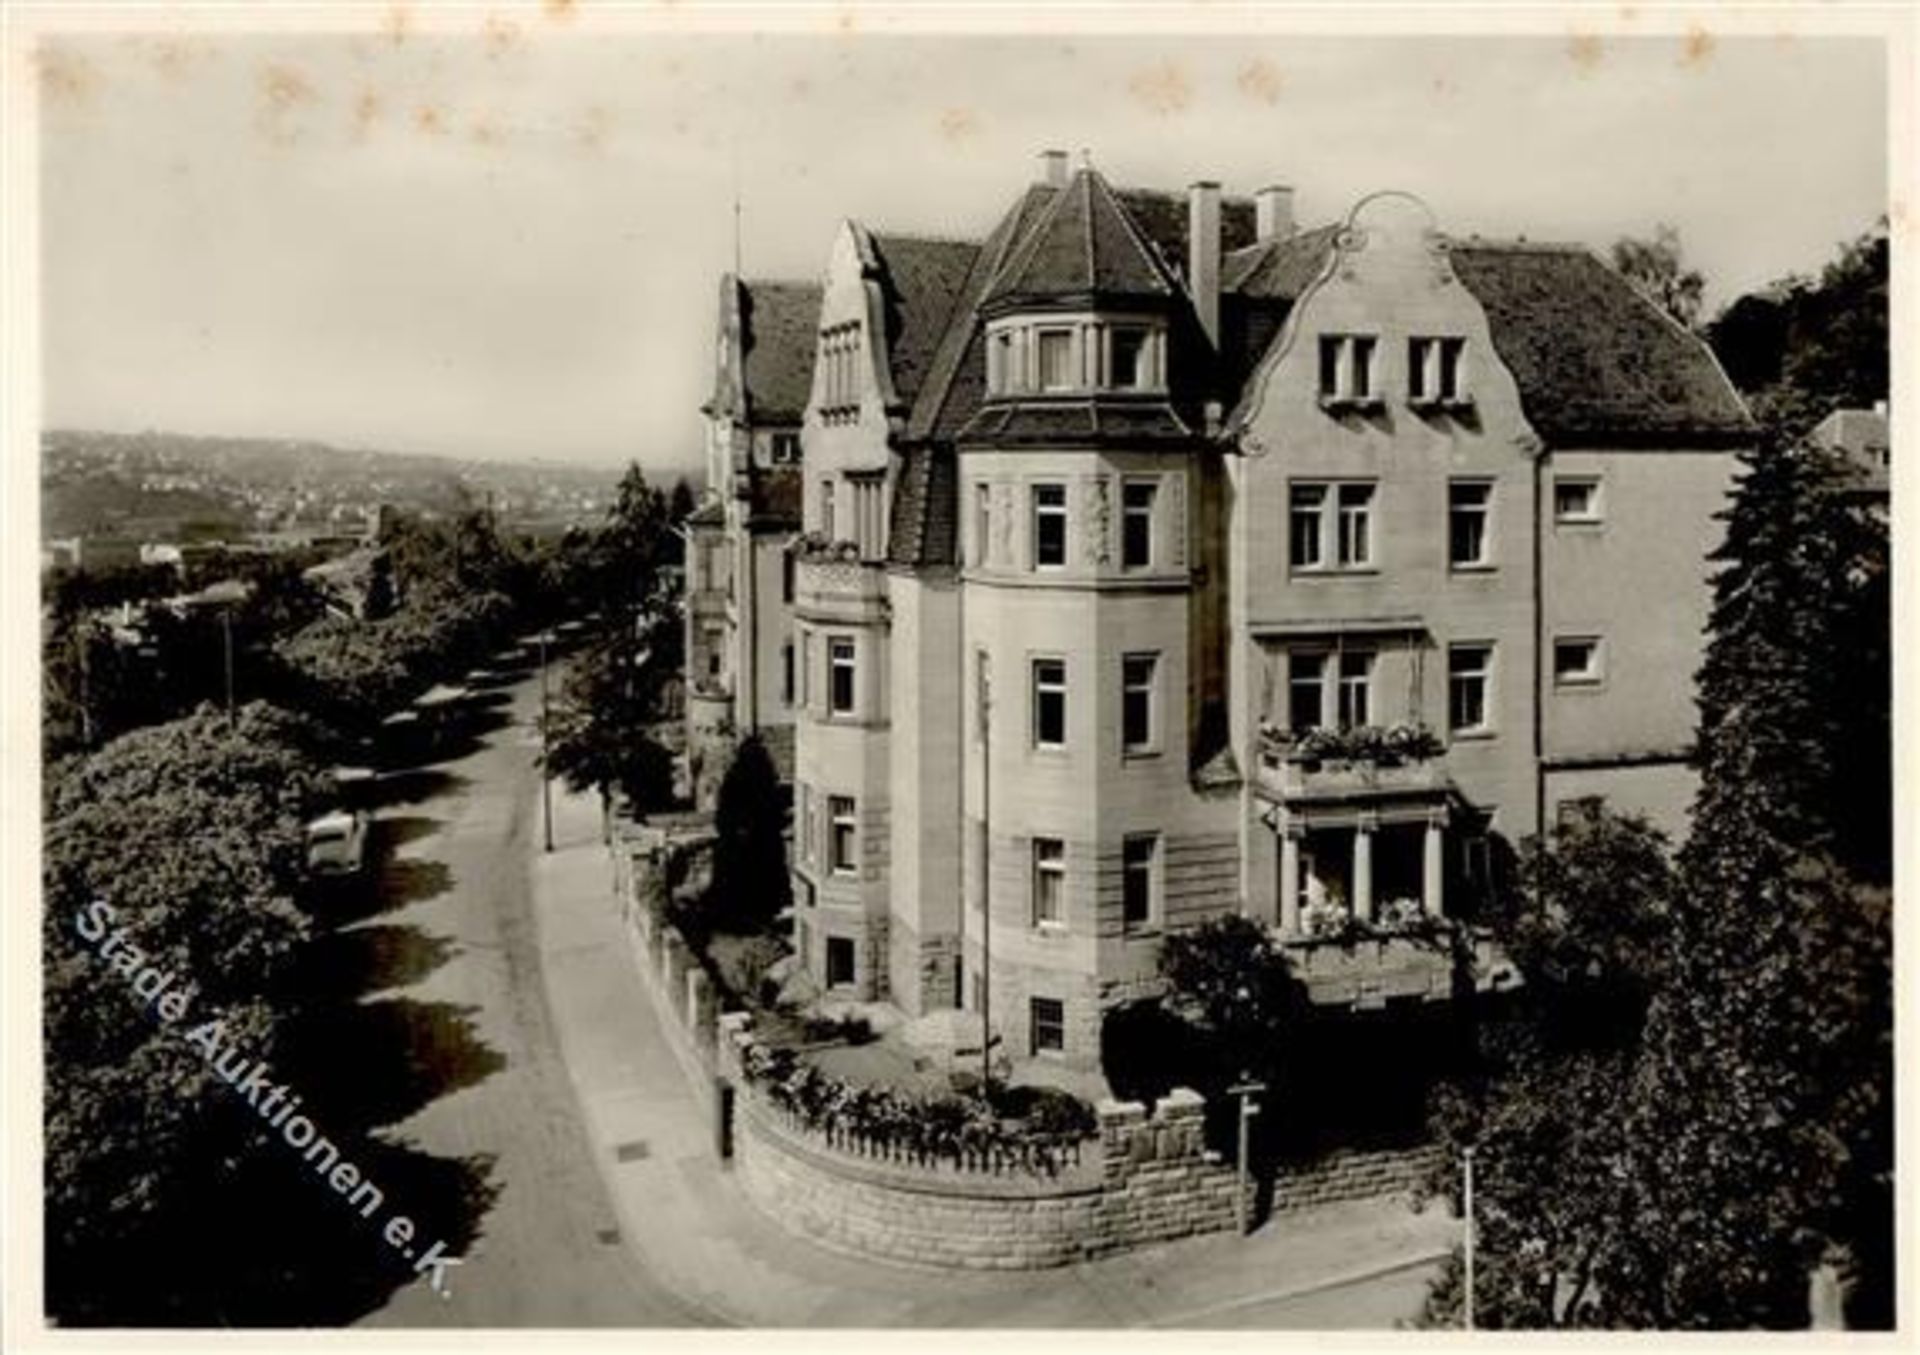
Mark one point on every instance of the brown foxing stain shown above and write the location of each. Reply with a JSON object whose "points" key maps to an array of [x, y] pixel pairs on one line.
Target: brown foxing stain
{"points": [[847, 21], [485, 133], [957, 124], [800, 87], [366, 113], [429, 120], [500, 35], [1586, 52], [65, 77], [398, 23], [1260, 79], [1697, 50], [284, 91], [1163, 89], [1628, 13], [559, 11], [1442, 86], [172, 59]]}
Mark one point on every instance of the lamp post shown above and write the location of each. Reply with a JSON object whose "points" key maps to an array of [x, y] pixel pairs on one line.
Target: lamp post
{"points": [[546, 765], [1246, 1091]]}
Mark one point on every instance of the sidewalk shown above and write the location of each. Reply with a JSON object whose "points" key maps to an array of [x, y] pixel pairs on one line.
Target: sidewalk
{"points": [[688, 1224]]}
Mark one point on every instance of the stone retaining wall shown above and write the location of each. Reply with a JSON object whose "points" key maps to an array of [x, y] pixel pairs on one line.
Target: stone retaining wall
{"points": [[1148, 1176]]}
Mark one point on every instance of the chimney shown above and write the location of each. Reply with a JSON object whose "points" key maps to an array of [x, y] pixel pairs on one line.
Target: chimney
{"points": [[1053, 169], [1273, 213], [1203, 255]]}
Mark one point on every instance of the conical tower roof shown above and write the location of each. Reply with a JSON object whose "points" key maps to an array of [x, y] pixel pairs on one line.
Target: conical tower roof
{"points": [[1085, 246]]}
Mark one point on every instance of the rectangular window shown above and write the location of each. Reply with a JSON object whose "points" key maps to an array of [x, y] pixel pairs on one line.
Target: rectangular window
{"points": [[1356, 525], [826, 509], [1056, 360], [1356, 690], [1007, 370], [1127, 349], [1049, 882], [804, 847], [842, 835], [1576, 662], [1307, 506], [786, 673], [1306, 690], [1434, 371], [806, 664], [1576, 499], [1469, 688], [716, 642], [1469, 506], [1050, 703], [840, 670], [1049, 526], [786, 449], [787, 568], [1047, 1017], [839, 960], [1139, 859], [1136, 701], [1136, 523], [982, 520], [1332, 349], [1360, 351]]}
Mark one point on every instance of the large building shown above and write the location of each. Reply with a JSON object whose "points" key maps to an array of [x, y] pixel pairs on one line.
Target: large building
{"points": [[739, 580], [1161, 559]]}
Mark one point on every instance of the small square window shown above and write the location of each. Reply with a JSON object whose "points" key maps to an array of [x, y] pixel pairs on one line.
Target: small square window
{"points": [[1576, 662], [840, 677], [843, 835], [840, 954], [1047, 1017], [786, 449], [1576, 499]]}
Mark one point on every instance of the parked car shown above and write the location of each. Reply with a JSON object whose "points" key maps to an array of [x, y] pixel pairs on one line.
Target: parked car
{"points": [[337, 843]]}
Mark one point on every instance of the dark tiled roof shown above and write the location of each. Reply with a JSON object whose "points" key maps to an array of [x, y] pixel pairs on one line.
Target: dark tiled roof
{"points": [[1163, 218], [1085, 245], [923, 281], [1089, 420], [924, 508], [1277, 268], [780, 324], [1594, 360], [774, 495], [712, 513], [957, 378], [1860, 435]]}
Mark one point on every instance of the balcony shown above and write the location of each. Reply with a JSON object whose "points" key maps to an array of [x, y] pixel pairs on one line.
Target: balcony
{"points": [[832, 583], [1363, 967], [1370, 762]]}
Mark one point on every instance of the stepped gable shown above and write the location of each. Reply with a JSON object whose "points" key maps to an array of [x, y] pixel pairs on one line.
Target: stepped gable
{"points": [[779, 326]]}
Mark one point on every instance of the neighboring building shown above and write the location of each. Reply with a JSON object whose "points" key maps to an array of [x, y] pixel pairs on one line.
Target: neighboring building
{"points": [[1115, 519], [359, 585], [739, 572], [1861, 436]]}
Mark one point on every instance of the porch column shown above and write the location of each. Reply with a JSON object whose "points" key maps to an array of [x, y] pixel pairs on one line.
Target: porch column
{"points": [[1432, 887], [1289, 881], [1363, 869]]}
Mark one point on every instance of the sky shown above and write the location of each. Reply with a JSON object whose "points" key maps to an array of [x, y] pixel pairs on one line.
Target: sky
{"points": [[505, 241]]}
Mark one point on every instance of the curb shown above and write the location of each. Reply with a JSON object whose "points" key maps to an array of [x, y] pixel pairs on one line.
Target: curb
{"points": [[1339, 1280]]}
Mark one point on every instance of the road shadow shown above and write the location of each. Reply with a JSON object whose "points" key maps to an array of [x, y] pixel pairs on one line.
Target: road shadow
{"points": [[340, 966], [396, 831], [377, 1062], [415, 785]]}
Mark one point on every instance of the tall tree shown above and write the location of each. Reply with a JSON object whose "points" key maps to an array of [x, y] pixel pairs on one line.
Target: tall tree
{"points": [[1658, 270], [750, 884]]}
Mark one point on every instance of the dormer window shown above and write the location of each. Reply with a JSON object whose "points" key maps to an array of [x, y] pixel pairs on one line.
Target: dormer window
{"points": [[1127, 358], [1082, 353], [1057, 367]]}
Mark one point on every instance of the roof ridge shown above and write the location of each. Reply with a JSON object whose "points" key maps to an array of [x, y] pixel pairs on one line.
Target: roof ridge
{"points": [[918, 237], [1148, 252], [1520, 245]]}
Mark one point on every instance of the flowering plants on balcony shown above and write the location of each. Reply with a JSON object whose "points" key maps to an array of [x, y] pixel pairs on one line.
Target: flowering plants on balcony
{"points": [[816, 546], [1382, 745]]}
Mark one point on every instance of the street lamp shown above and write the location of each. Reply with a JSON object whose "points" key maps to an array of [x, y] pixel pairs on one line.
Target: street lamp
{"points": [[1249, 1108]]}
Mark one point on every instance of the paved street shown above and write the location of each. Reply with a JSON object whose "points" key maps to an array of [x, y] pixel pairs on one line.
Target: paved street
{"points": [[548, 1252]]}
